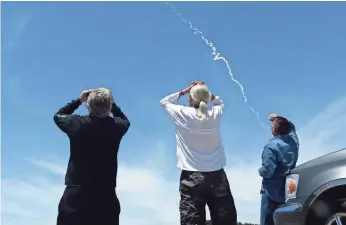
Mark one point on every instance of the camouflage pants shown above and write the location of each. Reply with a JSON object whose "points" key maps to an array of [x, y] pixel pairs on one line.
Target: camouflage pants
{"points": [[198, 189]]}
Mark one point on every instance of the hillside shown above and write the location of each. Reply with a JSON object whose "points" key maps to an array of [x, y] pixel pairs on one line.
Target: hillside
{"points": [[210, 223]]}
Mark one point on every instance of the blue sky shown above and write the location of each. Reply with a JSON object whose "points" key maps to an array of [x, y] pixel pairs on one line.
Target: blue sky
{"points": [[289, 56]]}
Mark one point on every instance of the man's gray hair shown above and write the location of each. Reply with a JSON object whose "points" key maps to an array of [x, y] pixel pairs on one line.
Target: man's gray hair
{"points": [[99, 102]]}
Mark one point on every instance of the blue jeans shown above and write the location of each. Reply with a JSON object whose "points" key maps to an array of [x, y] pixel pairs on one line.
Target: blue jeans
{"points": [[268, 206]]}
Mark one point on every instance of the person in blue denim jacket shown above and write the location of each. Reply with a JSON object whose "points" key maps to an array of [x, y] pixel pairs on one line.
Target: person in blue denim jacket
{"points": [[279, 156]]}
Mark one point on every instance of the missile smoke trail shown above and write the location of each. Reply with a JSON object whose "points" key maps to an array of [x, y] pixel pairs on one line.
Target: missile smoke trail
{"points": [[217, 56]]}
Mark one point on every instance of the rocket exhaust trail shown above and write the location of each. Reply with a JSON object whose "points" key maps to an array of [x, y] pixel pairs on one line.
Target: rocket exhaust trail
{"points": [[217, 56]]}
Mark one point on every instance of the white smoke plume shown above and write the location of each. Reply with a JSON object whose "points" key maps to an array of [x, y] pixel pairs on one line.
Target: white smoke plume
{"points": [[217, 56]]}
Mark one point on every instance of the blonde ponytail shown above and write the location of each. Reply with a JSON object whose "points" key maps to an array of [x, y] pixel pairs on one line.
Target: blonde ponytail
{"points": [[200, 96], [202, 111]]}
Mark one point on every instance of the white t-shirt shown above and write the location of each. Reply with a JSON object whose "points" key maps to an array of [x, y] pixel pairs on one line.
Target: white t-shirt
{"points": [[199, 145]]}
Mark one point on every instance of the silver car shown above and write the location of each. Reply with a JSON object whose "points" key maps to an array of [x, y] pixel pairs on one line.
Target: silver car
{"points": [[316, 193]]}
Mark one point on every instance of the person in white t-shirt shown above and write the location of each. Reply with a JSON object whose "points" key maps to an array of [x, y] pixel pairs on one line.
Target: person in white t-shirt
{"points": [[201, 157]]}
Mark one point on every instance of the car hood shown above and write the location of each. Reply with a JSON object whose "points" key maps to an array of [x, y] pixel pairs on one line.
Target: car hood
{"points": [[330, 158]]}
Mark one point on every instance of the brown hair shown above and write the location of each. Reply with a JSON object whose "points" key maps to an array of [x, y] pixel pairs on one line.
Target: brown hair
{"points": [[281, 125]]}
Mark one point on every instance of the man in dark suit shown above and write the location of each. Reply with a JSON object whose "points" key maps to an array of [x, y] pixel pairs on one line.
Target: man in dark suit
{"points": [[90, 197]]}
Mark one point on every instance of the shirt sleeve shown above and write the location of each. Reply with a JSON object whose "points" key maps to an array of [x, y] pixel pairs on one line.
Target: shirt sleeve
{"points": [[120, 119], [293, 133], [269, 162], [218, 105], [170, 106], [65, 120]]}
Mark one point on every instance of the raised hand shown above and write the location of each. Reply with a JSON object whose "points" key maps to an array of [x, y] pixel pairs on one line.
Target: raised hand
{"points": [[272, 117], [193, 83], [84, 95]]}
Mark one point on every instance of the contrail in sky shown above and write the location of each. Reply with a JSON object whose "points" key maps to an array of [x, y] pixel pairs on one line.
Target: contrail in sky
{"points": [[217, 56]]}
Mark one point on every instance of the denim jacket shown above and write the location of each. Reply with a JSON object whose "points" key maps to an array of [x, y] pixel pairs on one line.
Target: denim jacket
{"points": [[279, 156]]}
